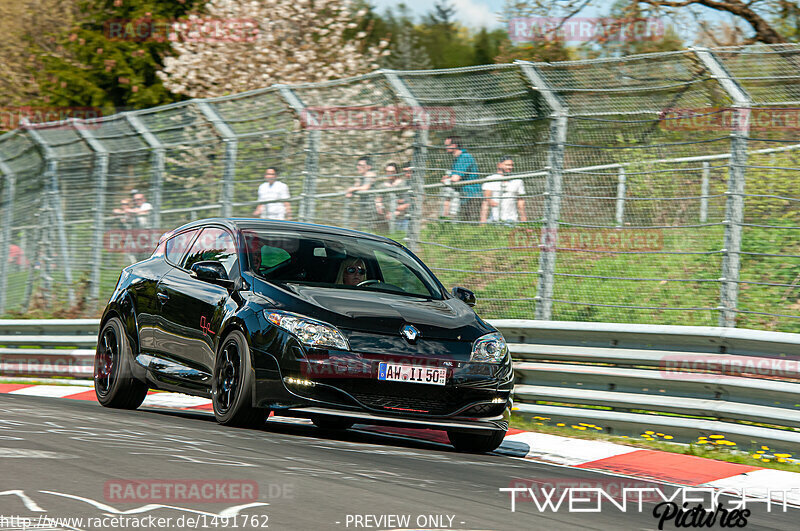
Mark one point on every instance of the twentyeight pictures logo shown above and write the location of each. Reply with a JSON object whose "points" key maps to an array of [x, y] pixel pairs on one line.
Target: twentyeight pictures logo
{"points": [[684, 507]]}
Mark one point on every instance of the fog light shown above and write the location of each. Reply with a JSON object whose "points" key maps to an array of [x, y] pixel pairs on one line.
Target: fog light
{"points": [[298, 381]]}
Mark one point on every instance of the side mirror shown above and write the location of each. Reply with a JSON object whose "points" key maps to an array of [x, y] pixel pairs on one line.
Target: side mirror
{"points": [[465, 295], [213, 272]]}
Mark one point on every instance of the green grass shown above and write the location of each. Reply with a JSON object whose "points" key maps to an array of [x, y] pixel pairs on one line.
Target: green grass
{"points": [[678, 280]]}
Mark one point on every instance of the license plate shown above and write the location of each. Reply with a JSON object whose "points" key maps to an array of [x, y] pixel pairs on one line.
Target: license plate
{"points": [[412, 374]]}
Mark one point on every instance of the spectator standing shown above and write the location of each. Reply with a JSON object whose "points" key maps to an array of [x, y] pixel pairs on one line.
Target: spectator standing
{"points": [[123, 213], [365, 179], [464, 169], [363, 206], [402, 205], [503, 199], [394, 206], [141, 210], [384, 201], [273, 190]]}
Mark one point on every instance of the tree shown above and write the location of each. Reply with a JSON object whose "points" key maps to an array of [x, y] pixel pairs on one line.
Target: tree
{"points": [[484, 51], [448, 43], [295, 41], [110, 56], [407, 53], [28, 27], [442, 16], [756, 13]]}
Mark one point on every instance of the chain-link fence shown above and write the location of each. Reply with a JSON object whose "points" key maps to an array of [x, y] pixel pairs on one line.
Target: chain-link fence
{"points": [[657, 188]]}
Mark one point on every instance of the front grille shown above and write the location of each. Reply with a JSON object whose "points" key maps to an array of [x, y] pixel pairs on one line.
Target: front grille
{"points": [[407, 404], [484, 410]]}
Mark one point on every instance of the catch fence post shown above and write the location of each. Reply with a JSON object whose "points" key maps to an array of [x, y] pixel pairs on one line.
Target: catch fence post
{"points": [[734, 207], [157, 165], [420, 154], [552, 195], [704, 192], [308, 199], [7, 203], [101, 176], [231, 147], [54, 198], [621, 187]]}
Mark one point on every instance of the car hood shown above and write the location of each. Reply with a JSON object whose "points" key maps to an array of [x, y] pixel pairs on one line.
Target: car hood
{"points": [[384, 313]]}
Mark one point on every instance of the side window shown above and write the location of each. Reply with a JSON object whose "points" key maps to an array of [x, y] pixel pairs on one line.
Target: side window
{"points": [[213, 244], [394, 272], [266, 253], [177, 245]]}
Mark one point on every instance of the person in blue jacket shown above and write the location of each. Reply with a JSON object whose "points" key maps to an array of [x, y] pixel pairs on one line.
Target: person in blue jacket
{"points": [[464, 169]]}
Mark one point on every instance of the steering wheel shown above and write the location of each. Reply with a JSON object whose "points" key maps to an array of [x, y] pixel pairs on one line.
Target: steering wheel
{"points": [[369, 282]]}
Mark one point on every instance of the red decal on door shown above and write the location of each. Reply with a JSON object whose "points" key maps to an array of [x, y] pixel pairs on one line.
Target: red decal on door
{"points": [[205, 326]]}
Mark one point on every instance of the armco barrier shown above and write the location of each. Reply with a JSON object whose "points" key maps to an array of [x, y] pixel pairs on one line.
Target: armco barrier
{"points": [[48, 347], [680, 381]]}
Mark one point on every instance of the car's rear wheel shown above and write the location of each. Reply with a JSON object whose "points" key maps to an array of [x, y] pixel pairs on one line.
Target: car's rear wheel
{"points": [[476, 443], [232, 385], [332, 423], [114, 384]]}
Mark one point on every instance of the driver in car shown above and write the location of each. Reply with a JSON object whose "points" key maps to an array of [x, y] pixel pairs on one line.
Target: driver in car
{"points": [[352, 272]]}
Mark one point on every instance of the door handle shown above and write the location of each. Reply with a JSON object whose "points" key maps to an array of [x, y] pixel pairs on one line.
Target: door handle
{"points": [[162, 297]]}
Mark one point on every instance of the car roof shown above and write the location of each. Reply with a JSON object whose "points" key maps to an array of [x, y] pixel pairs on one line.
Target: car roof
{"points": [[237, 224]]}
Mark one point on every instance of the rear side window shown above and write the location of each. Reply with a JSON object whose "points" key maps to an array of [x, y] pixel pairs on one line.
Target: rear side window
{"points": [[178, 244], [213, 244]]}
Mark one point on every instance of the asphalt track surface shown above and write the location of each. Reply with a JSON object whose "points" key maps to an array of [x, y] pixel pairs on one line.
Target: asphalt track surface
{"points": [[56, 457]]}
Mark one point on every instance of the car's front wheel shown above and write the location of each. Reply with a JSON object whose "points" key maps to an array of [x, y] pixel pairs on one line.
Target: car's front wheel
{"points": [[477, 443], [232, 385], [113, 383]]}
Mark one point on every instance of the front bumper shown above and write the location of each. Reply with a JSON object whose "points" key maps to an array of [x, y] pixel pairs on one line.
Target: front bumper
{"points": [[461, 424], [477, 396]]}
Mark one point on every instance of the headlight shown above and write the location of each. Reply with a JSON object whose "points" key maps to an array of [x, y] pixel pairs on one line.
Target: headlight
{"points": [[310, 332], [490, 348]]}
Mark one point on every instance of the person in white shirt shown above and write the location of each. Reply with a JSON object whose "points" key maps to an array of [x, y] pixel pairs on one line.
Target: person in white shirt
{"points": [[503, 199], [269, 190], [141, 209]]}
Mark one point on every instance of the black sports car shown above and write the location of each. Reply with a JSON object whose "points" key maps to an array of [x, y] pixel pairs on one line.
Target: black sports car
{"points": [[305, 320]]}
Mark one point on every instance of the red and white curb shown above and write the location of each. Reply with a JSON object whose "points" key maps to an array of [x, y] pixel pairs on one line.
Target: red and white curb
{"points": [[603, 456]]}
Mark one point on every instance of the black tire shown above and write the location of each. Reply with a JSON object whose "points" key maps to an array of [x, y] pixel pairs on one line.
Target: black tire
{"points": [[476, 443], [114, 384], [332, 423], [232, 385]]}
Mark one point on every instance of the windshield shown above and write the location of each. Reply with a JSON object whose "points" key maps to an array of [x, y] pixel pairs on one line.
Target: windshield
{"points": [[341, 262]]}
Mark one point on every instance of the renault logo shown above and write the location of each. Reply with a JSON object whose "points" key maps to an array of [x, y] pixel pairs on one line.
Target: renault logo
{"points": [[410, 333]]}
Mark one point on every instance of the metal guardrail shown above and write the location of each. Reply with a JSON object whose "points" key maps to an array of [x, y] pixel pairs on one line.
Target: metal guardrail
{"points": [[48, 347], [680, 381]]}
